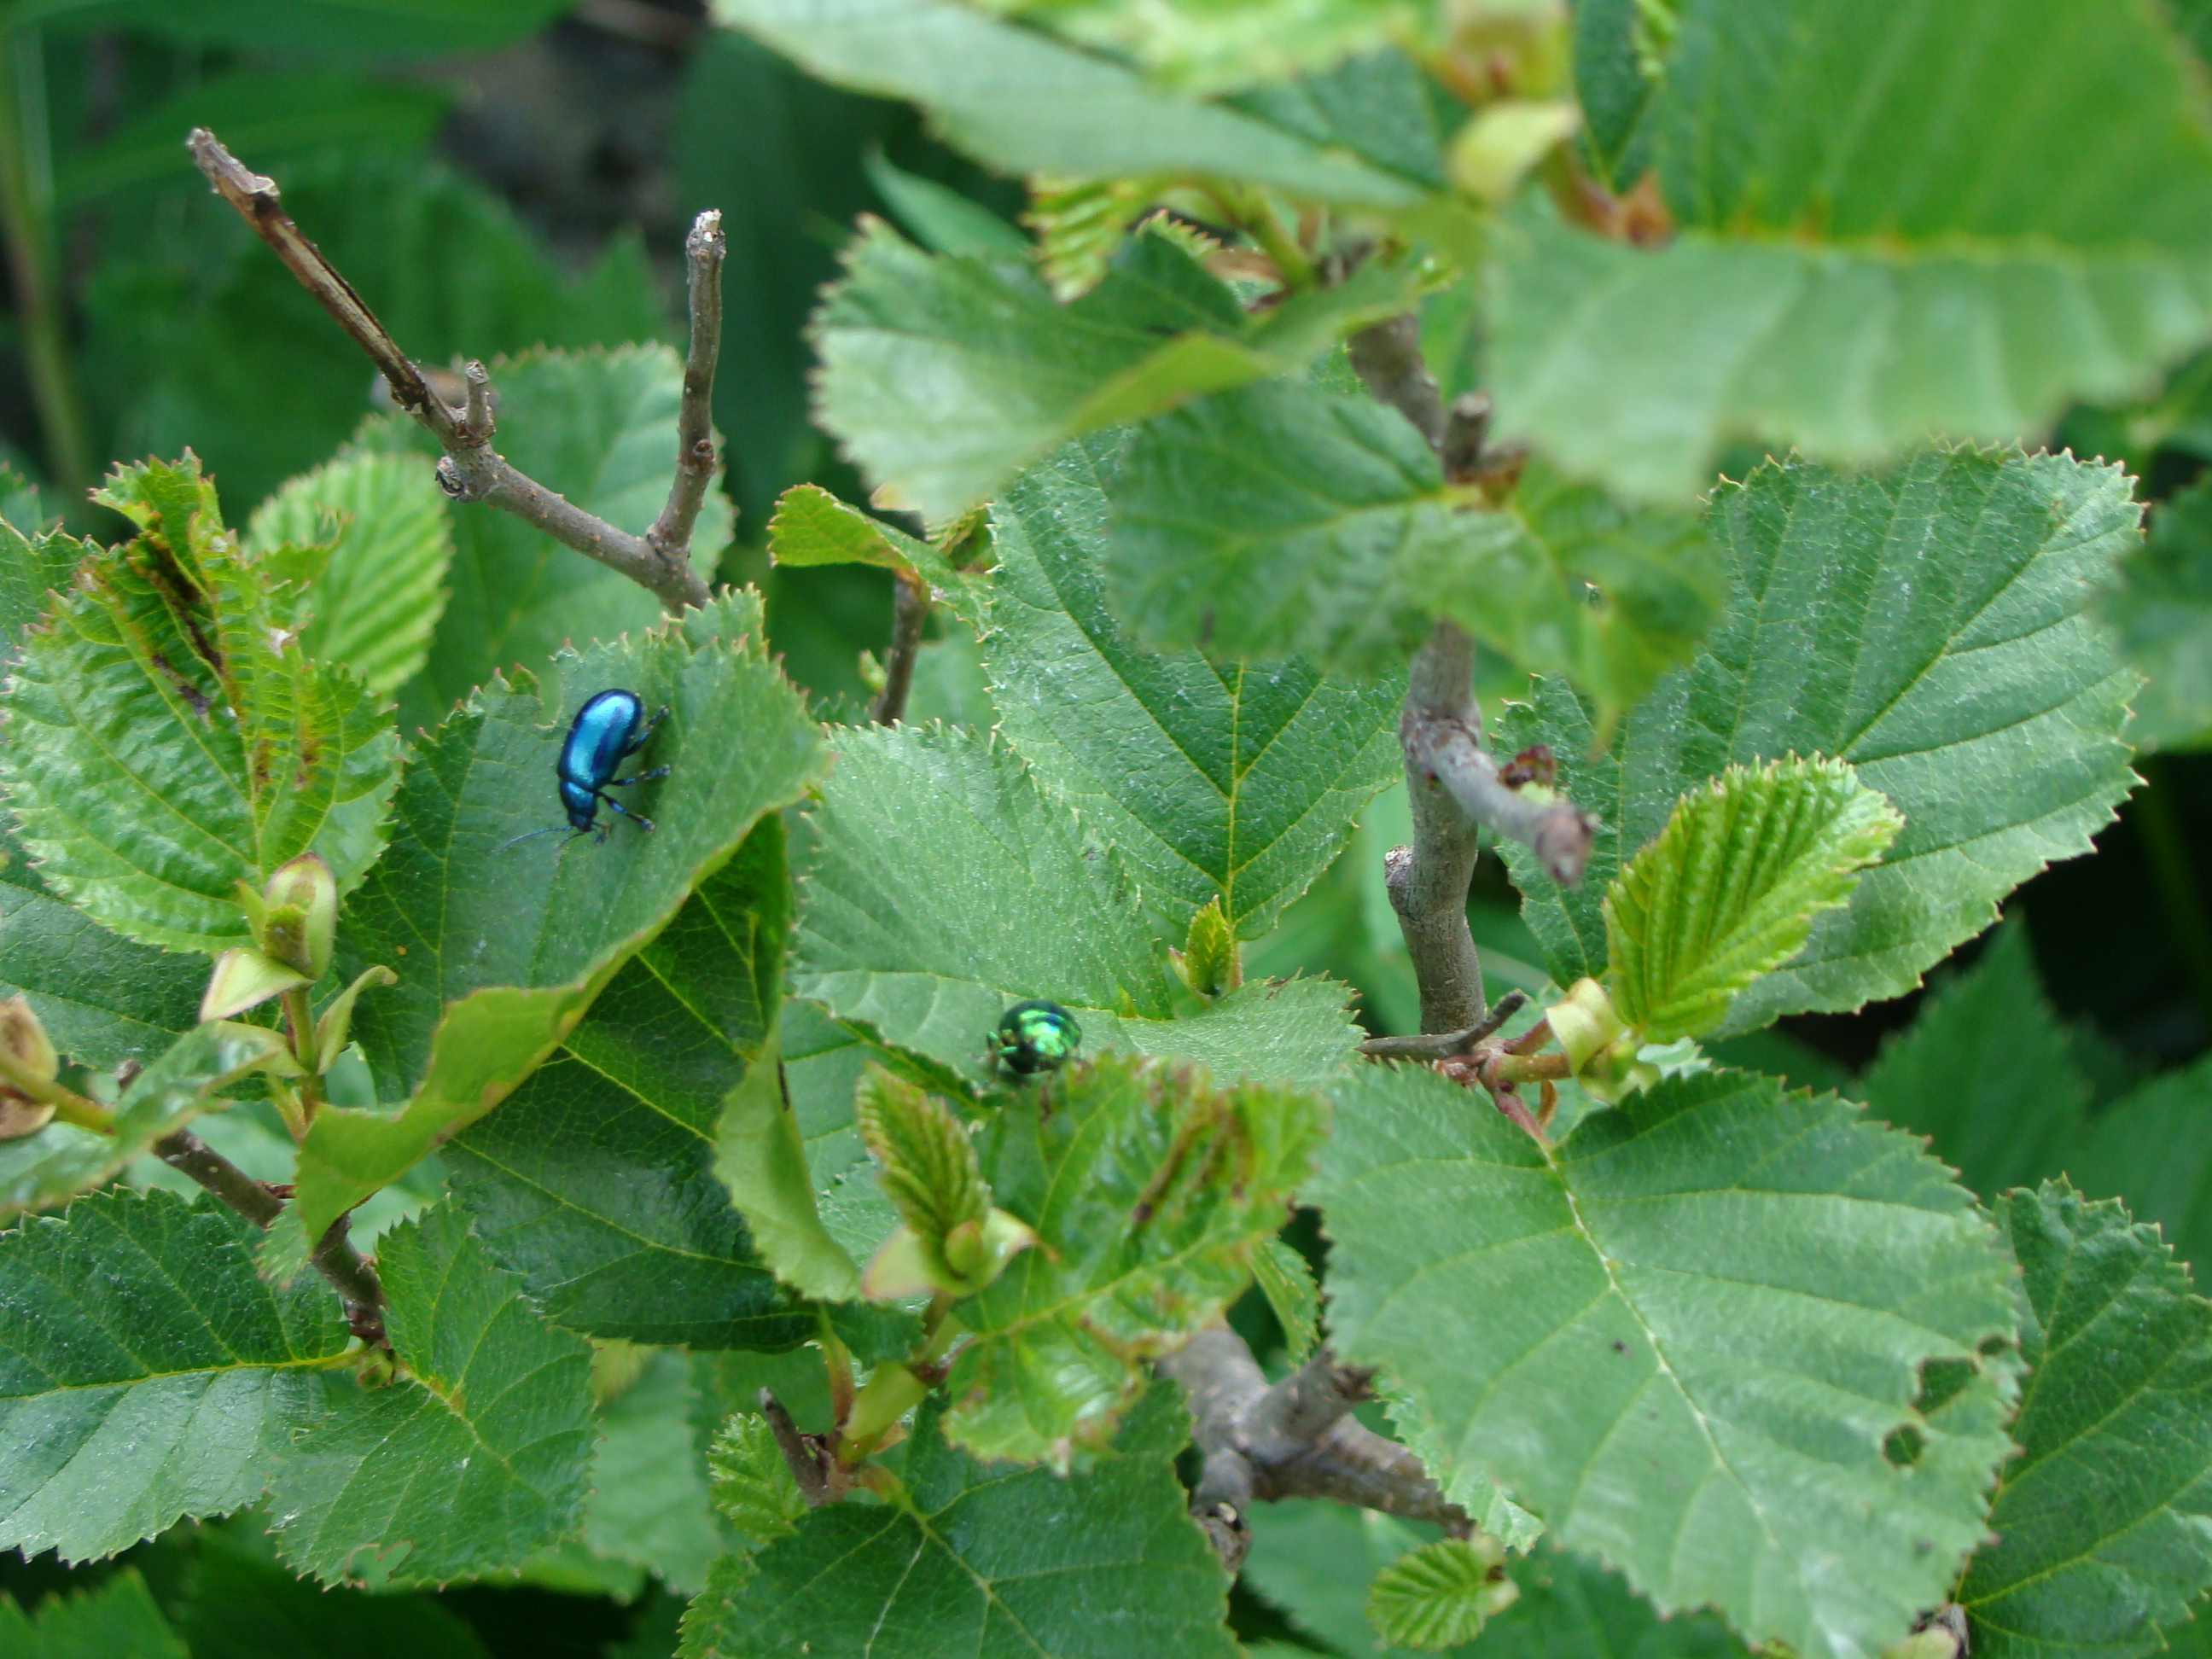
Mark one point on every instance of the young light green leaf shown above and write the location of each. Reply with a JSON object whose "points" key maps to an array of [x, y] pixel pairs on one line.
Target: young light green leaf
{"points": [[944, 376], [1441, 1595], [2153, 1149], [478, 1457], [596, 1181], [1149, 1190], [753, 1486], [1986, 1073], [1840, 282], [1219, 781], [1730, 888], [500, 952], [1282, 520], [375, 544], [812, 526], [2103, 1524], [117, 1620], [599, 427], [926, 1163], [945, 884], [167, 741], [1024, 103], [999, 1560], [1688, 1337], [62, 1160], [1933, 626], [1201, 48], [125, 1404], [649, 1503], [2163, 610]]}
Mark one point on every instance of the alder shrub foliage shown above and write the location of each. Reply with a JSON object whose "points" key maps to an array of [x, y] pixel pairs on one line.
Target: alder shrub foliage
{"points": [[635, 1129]]}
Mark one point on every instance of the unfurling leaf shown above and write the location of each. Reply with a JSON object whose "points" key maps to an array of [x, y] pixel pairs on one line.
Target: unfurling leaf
{"points": [[168, 739], [1729, 890], [1287, 1283], [30, 1050], [1208, 960], [1149, 1189], [1441, 1595], [753, 1486], [927, 1163], [245, 978]]}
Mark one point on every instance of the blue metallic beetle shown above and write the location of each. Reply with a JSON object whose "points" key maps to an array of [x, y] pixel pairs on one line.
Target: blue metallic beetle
{"points": [[608, 729]]}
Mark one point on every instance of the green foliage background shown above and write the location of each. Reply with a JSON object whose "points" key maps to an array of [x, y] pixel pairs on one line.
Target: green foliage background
{"points": [[1896, 1258]]}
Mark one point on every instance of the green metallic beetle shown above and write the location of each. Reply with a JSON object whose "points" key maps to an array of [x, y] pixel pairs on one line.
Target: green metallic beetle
{"points": [[1034, 1036]]}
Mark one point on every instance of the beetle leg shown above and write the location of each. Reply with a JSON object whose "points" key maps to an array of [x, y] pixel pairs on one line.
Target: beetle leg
{"points": [[645, 732], [642, 777], [637, 819]]}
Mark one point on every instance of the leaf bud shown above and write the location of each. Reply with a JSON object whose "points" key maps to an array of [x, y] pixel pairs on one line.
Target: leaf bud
{"points": [[928, 1166], [28, 1044], [1208, 963], [299, 922], [1584, 1021]]}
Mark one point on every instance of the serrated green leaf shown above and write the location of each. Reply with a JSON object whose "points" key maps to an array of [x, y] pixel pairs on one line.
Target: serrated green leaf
{"points": [[1024, 103], [596, 1180], [478, 1457], [599, 427], [944, 376], [1845, 279], [242, 1605], [926, 1163], [812, 526], [103, 998], [117, 1620], [1686, 1335], [2103, 1521], [61, 1160], [166, 742], [146, 1372], [753, 1486], [1617, 60], [1729, 889], [1000, 1562], [1986, 1073], [35, 562], [945, 884], [1282, 520], [1933, 626], [2153, 1148], [2163, 610], [648, 1503], [1149, 1190], [373, 589], [500, 952], [1215, 780], [1441, 1595]]}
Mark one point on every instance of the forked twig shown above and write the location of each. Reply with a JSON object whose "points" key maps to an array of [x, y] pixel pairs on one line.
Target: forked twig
{"points": [[472, 470]]}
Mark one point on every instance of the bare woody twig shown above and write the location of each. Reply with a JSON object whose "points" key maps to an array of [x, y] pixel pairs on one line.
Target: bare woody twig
{"points": [[1450, 775], [704, 251], [1295, 1439], [1447, 1045], [471, 469], [909, 611]]}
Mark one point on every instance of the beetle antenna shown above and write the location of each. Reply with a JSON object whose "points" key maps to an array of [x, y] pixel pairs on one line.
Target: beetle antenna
{"points": [[550, 829]]}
